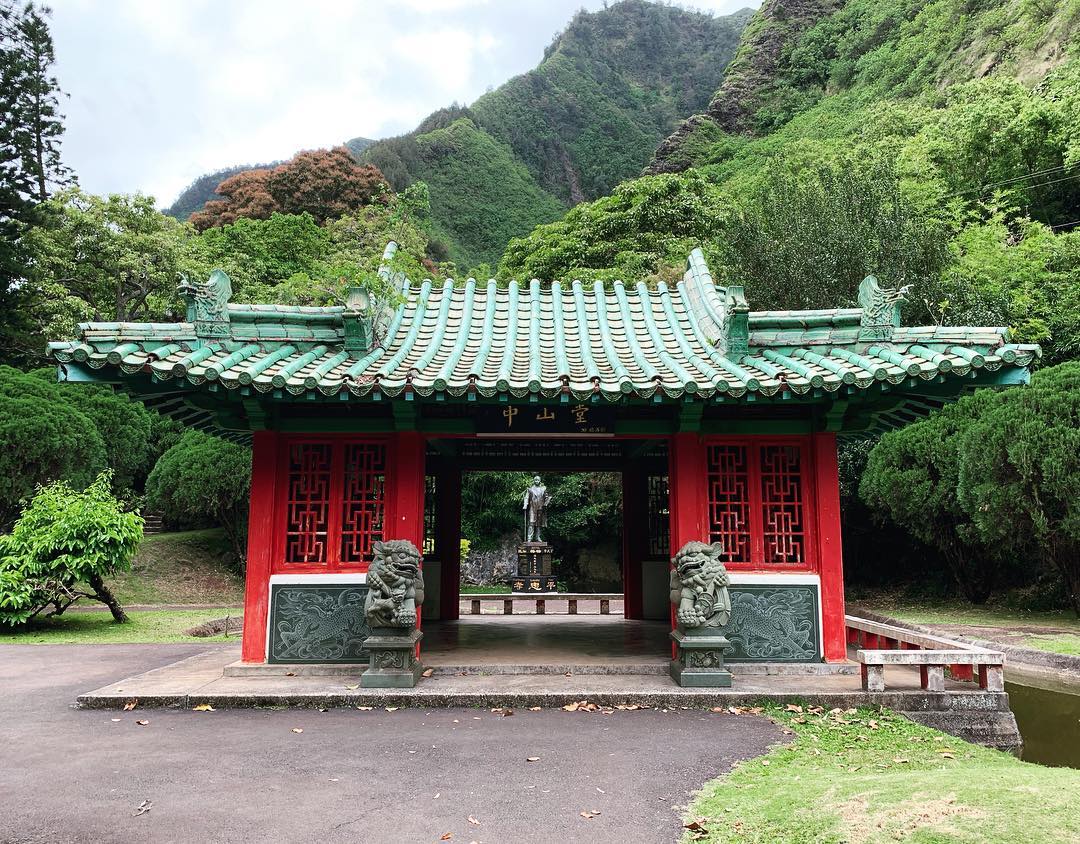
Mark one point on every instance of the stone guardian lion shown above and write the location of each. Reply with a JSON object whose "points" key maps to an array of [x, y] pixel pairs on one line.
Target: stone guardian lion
{"points": [[699, 586]]}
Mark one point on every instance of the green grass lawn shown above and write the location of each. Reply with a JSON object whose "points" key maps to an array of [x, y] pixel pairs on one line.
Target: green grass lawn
{"points": [[1057, 632], [862, 777], [192, 567], [84, 628]]}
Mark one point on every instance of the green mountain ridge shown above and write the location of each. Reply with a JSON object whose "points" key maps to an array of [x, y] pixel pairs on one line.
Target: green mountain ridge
{"points": [[933, 142], [797, 54], [608, 89]]}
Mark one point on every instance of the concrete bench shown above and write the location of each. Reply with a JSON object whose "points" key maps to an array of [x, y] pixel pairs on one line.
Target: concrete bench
{"points": [[541, 599], [931, 665]]}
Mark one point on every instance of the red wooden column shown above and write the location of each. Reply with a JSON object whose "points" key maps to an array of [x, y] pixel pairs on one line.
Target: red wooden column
{"points": [[827, 495], [634, 536], [405, 489], [448, 540], [264, 462], [688, 483], [689, 495]]}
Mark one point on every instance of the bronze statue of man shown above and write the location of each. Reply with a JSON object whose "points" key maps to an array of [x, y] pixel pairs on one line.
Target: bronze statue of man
{"points": [[534, 504]]}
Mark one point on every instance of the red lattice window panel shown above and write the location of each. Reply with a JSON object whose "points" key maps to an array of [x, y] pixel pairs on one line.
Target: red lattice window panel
{"points": [[783, 515], [758, 503], [307, 518], [729, 500], [362, 500], [332, 504]]}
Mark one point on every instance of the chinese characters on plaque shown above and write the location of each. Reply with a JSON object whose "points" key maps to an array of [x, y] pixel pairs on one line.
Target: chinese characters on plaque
{"points": [[578, 418]]}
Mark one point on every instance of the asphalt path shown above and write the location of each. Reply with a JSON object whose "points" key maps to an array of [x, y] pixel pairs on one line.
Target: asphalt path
{"points": [[412, 775]]}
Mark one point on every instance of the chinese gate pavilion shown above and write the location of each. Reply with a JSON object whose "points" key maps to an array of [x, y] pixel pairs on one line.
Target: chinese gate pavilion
{"points": [[723, 422]]}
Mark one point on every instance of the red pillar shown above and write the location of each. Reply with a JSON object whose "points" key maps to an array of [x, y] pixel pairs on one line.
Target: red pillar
{"points": [[405, 492], [689, 490], [634, 536], [264, 461], [827, 495], [689, 495], [448, 540]]}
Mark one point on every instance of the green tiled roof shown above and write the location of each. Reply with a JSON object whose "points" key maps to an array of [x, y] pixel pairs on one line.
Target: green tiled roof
{"points": [[617, 339]]}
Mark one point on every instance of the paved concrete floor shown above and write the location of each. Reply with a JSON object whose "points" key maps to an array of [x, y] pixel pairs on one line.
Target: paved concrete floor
{"points": [[546, 640], [74, 775]]}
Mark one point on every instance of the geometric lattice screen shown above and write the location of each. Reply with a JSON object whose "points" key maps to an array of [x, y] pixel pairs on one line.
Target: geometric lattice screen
{"points": [[307, 523], [783, 516], [334, 503], [659, 510], [757, 503]]}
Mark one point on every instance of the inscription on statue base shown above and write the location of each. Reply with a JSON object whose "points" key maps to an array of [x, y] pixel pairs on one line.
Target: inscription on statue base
{"points": [[533, 569]]}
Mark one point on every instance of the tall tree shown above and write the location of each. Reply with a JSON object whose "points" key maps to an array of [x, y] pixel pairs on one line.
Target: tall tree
{"points": [[32, 98]]}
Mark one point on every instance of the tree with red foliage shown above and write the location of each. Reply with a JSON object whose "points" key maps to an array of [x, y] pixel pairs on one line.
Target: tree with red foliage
{"points": [[324, 183], [246, 194]]}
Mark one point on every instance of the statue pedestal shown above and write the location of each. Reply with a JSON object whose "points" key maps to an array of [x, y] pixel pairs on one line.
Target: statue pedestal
{"points": [[533, 569], [393, 659], [699, 660]]}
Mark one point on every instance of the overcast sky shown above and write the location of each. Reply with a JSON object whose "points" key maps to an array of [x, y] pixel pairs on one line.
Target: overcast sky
{"points": [[162, 91]]}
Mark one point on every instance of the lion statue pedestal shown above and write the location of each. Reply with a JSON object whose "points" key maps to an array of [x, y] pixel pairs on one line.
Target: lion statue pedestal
{"points": [[699, 592], [395, 589]]}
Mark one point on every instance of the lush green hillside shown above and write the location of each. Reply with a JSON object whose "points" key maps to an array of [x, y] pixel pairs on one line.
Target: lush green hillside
{"points": [[798, 54], [609, 88], [204, 189], [840, 133]]}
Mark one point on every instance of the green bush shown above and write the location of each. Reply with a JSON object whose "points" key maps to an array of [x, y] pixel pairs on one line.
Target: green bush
{"points": [[204, 477], [43, 438], [1019, 473], [62, 540], [912, 475]]}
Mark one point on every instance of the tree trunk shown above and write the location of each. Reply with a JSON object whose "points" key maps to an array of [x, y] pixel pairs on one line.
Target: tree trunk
{"points": [[103, 594]]}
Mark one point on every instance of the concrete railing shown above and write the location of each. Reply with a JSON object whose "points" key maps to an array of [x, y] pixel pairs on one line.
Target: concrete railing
{"points": [[541, 599], [880, 644]]}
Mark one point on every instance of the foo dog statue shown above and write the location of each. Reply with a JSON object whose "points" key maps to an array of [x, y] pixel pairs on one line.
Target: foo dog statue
{"points": [[699, 586], [699, 592], [395, 585], [395, 590]]}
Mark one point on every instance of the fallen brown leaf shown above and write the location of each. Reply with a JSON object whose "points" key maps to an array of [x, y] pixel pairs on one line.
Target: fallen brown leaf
{"points": [[142, 723], [298, 729], [446, 836], [473, 821], [202, 707], [143, 808], [352, 686], [427, 672], [131, 704]]}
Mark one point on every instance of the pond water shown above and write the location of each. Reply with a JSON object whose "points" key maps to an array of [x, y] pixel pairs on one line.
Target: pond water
{"points": [[1049, 721]]}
